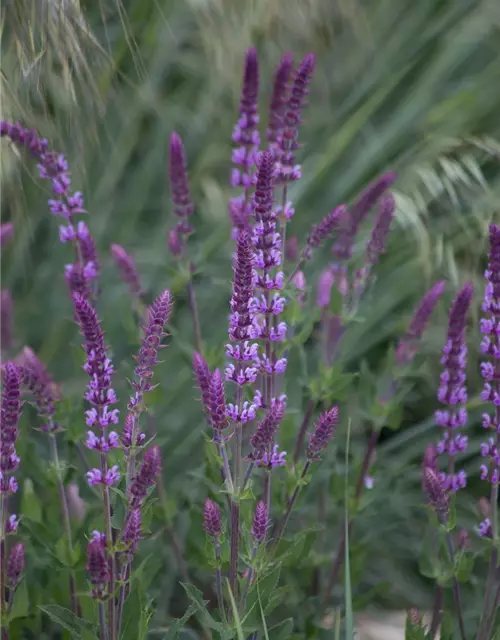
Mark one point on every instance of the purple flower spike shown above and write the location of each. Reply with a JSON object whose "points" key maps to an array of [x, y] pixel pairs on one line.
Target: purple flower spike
{"points": [[452, 391], [342, 249], [289, 170], [240, 321], [376, 245], [247, 140], [6, 332], [15, 564], [6, 232], [323, 433], [320, 232], [36, 378], [147, 476], [218, 416], [325, 282], [263, 438], [203, 376], [10, 411], [408, 346], [181, 196], [159, 313], [132, 529], [490, 346], [260, 522], [128, 269], [174, 243], [436, 493], [211, 518], [279, 101], [98, 366], [97, 565]]}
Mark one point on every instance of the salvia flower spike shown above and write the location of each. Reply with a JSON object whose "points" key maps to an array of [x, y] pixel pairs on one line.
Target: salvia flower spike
{"points": [[65, 203], [343, 246], [9, 462], [408, 345], [127, 268], [211, 518], [490, 369], [452, 392], [180, 193], [278, 104], [247, 141], [324, 430], [6, 233]]}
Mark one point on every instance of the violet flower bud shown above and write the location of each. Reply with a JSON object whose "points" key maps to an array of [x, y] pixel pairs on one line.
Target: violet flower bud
{"points": [[376, 244], [127, 439], [6, 332], [325, 282], [436, 493], [408, 345], [132, 529], [125, 264], [6, 232], [260, 522], [15, 564], [292, 249], [147, 476], [211, 518], [324, 429], [174, 243], [97, 565], [159, 313], [10, 411]]}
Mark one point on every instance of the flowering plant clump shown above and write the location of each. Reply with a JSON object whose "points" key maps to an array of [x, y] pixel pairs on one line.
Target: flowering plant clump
{"points": [[255, 525]]}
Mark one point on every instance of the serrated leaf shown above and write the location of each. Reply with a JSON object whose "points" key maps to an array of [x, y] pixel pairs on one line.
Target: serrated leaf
{"points": [[204, 616], [66, 619], [177, 625]]}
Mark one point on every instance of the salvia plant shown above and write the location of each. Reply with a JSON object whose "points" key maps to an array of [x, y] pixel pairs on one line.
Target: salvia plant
{"points": [[250, 515]]}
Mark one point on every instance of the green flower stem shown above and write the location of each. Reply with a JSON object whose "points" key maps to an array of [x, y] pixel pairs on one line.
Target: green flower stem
{"points": [[291, 503]]}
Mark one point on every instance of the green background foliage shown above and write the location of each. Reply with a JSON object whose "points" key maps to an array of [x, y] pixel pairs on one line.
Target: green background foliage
{"points": [[408, 86]]}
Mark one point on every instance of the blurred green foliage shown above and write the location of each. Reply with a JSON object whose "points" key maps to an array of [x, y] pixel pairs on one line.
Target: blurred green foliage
{"points": [[408, 86]]}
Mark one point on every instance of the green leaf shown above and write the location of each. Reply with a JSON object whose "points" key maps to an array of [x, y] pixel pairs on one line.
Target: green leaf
{"points": [[63, 552], [137, 613], [446, 632], [30, 505], [177, 625], [464, 566], [21, 606], [414, 631], [282, 631], [204, 617], [66, 619]]}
